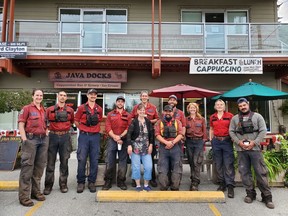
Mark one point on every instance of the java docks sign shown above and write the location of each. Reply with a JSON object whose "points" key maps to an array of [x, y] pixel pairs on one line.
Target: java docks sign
{"points": [[226, 66], [89, 75]]}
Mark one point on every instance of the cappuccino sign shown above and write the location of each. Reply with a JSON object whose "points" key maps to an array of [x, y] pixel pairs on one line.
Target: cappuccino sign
{"points": [[87, 75]]}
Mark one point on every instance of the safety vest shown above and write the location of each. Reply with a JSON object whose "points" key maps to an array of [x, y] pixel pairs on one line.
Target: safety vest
{"points": [[168, 131]]}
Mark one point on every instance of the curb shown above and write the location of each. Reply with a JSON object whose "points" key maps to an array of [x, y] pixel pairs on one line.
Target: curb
{"points": [[9, 185], [161, 196]]}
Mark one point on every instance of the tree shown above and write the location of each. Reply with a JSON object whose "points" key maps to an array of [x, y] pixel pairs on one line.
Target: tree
{"points": [[14, 101]]}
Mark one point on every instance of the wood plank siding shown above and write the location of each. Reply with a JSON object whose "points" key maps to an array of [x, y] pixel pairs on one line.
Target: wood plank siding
{"points": [[139, 10]]}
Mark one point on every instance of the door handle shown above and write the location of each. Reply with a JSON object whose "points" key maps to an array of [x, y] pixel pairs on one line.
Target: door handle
{"points": [[82, 33]]}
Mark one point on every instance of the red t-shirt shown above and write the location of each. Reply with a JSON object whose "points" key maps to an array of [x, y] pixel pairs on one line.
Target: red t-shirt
{"points": [[81, 117], [117, 122], [60, 126], [150, 110], [34, 119], [221, 126]]}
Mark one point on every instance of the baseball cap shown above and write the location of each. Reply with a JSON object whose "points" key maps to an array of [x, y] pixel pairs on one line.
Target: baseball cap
{"points": [[168, 108], [173, 96], [92, 91], [120, 98], [241, 100]]}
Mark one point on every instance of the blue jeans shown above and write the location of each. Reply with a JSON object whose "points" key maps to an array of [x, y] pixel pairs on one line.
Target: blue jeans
{"points": [[136, 166], [110, 159], [88, 145], [223, 157]]}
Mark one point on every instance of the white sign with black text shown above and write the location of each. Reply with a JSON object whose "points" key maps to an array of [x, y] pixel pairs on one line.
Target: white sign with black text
{"points": [[226, 65]]}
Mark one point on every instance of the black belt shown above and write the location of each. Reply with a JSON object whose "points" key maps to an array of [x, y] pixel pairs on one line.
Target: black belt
{"points": [[194, 138], [88, 133], [221, 138], [59, 132], [31, 135]]}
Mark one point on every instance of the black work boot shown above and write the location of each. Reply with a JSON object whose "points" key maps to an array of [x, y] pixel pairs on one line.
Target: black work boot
{"points": [[230, 191], [222, 187], [92, 187], [107, 185], [194, 187], [251, 195], [122, 185], [268, 201], [80, 187]]}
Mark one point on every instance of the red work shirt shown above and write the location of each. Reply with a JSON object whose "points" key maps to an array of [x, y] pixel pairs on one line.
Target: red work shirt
{"points": [[34, 119], [196, 127], [178, 114], [150, 110], [117, 122], [81, 117], [221, 126], [60, 126], [159, 130]]}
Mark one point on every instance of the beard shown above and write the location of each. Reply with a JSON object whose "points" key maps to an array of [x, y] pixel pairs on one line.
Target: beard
{"points": [[245, 113], [168, 118]]}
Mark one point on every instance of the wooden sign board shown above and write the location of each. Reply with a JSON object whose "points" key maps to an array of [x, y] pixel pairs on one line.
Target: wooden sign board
{"points": [[8, 153]]}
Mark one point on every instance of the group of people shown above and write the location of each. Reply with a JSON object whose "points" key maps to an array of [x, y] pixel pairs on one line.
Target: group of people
{"points": [[45, 133]]}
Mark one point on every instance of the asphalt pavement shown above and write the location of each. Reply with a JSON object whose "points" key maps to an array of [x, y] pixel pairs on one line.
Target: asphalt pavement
{"points": [[85, 204]]}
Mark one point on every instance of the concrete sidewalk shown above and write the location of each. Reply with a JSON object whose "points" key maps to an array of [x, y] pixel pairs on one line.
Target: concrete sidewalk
{"points": [[9, 181]]}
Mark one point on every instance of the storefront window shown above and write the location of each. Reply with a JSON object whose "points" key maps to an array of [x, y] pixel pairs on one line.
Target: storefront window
{"points": [[49, 99], [1, 18], [110, 98]]}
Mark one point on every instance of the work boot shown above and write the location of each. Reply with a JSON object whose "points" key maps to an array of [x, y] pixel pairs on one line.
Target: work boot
{"points": [[222, 187], [63, 188], [230, 191], [38, 196], [47, 190], [249, 199], [122, 185], [133, 183], [194, 187], [80, 187], [268, 201], [153, 183], [92, 187], [26, 202], [107, 185]]}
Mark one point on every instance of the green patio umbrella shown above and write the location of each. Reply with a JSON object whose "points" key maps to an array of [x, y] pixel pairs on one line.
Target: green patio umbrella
{"points": [[252, 91]]}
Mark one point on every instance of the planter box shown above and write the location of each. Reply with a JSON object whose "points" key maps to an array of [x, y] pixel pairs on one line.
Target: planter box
{"points": [[278, 182]]}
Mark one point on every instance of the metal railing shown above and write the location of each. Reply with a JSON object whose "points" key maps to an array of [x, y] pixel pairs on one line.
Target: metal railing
{"points": [[134, 38]]}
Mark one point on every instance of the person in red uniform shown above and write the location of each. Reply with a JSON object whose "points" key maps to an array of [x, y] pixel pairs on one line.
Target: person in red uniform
{"points": [[116, 127], [61, 117], [153, 116], [169, 133], [87, 119], [33, 131], [178, 114], [222, 147], [196, 135]]}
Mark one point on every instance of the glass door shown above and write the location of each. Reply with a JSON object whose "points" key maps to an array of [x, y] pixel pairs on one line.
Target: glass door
{"points": [[93, 28], [215, 32]]}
